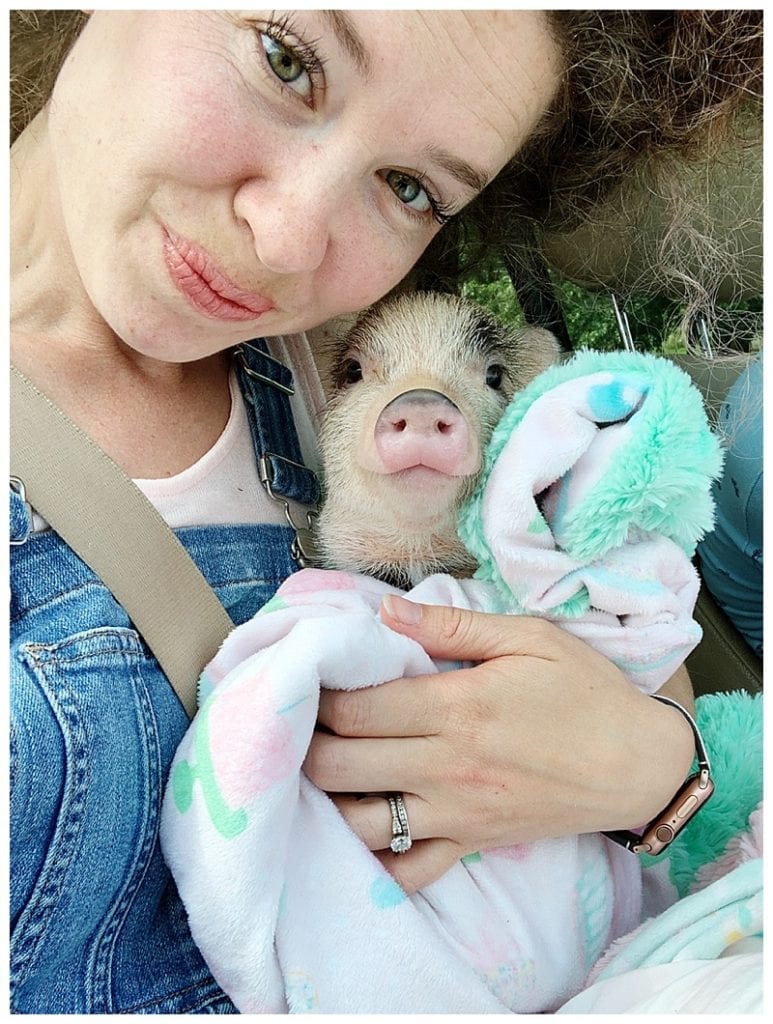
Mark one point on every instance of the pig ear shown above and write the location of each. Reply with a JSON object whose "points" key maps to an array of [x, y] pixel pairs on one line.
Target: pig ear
{"points": [[538, 349]]}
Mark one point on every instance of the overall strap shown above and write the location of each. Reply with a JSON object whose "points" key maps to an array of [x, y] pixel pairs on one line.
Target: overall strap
{"points": [[267, 385], [106, 519]]}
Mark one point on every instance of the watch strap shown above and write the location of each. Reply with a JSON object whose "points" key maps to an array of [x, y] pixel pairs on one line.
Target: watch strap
{"points": [[659, 833]]}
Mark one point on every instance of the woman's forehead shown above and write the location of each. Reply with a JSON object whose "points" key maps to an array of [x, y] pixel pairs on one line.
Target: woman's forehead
{"points": [[513, 52], [497, 71]]}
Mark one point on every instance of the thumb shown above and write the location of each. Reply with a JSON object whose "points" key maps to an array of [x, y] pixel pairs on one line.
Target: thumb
{"points": [[457, 633]]}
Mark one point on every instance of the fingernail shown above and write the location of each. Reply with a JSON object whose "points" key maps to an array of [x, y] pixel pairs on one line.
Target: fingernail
{"points": [[400, 610]]}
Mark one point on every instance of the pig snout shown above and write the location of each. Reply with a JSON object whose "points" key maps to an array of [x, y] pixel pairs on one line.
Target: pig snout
{"points": [[425, 428]]}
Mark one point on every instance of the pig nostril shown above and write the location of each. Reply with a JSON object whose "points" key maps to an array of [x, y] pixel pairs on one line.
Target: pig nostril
{"points": [[444, 428], [400, 425]]}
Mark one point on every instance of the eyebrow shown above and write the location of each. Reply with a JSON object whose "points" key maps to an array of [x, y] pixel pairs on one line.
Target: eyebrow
{"points": [[349, 40], [459, 169]]}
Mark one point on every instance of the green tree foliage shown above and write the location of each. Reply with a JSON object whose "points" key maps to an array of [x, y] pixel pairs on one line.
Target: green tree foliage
{"points": [[654, 321]]}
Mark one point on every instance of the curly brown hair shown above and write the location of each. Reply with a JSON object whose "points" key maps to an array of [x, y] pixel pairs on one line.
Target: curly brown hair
{"points": [[39, 43], [638, 85]]}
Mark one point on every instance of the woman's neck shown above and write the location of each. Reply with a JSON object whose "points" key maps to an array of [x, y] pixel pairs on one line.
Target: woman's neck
{"points": [[154, 418], [46, 292]]}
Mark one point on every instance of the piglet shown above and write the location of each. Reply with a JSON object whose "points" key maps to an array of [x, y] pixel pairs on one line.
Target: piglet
{"points": [[418, 385]]}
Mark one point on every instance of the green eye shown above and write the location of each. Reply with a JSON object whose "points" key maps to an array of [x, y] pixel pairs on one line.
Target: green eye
{"points": [[286, 65], [408, 190]]}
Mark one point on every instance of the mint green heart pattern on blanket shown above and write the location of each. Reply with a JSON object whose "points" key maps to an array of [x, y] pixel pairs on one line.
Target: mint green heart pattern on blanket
{"points": [[229, 823]]}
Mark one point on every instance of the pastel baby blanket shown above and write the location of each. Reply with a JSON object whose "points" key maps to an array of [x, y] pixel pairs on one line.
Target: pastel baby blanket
{"points": [[594, 492]]}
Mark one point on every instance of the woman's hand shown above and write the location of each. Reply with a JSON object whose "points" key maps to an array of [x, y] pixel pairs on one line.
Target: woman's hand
{"points": [[545, 737]]}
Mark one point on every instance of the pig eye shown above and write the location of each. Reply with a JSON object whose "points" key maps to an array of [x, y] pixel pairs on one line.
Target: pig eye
{"points": [[351, 371], [494, 375]]}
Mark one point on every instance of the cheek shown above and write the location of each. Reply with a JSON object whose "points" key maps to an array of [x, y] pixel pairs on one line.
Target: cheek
{"points": [[215, 138], [189, 106], [368, 265], [208, 156]]}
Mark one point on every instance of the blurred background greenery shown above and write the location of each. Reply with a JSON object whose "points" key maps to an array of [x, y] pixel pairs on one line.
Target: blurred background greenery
{"points": [[655, 322]]}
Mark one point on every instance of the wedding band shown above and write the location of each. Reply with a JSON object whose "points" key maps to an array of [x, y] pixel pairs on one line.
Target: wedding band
{"points": [[401, 833]]}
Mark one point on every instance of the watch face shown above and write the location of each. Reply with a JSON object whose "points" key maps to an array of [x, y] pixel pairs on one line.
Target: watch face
{"points": [[687, 802]]}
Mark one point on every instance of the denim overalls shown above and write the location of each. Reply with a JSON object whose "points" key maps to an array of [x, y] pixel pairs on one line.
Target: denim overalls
{"points": [[96, 922]]}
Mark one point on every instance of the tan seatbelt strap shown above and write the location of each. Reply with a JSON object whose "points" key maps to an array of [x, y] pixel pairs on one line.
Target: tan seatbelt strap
{"points": [[112, 526]]}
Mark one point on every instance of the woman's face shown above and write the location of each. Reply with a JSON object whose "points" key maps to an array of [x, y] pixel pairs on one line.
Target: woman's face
{"points": [[224, 175]]}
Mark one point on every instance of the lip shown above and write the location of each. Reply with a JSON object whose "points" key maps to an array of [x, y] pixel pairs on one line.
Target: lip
{"points": [[195, 274], [424, 476]]}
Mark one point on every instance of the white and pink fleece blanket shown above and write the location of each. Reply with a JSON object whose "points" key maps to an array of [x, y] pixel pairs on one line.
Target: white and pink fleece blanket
{"points": [[290, 910]]}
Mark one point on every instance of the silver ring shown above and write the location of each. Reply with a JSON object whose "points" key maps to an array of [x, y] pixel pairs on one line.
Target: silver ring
{"points": [[401, 833]]}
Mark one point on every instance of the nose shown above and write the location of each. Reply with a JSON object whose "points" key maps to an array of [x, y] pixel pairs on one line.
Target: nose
{"points": [[290, 223], [425, 428]]}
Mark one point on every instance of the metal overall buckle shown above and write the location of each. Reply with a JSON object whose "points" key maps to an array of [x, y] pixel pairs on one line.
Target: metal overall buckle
{"points": [[303, 548], [286, 389], [17, 486]]}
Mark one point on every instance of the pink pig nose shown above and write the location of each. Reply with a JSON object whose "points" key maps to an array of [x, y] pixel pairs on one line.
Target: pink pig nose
{"points": [[424, 428]]}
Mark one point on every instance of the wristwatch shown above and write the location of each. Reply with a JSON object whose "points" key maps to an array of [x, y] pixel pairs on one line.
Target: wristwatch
{"points": [[664, 827]]}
